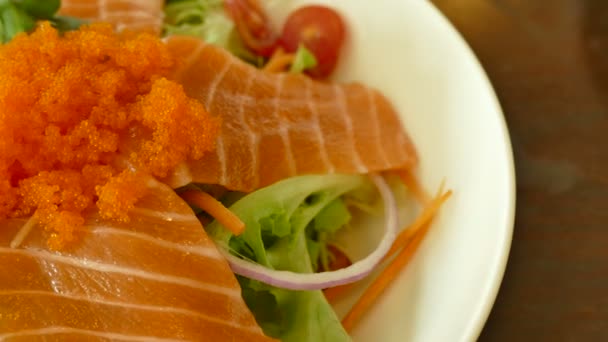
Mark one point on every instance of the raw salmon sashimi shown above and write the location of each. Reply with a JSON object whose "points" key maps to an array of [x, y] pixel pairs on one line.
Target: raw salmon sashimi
{"points": [[136, 15], [156, 278], [274, 125], [277, 125]]}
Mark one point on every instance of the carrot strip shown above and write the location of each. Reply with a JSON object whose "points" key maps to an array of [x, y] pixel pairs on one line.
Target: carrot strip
{"points": [[333, 293], [279, 61], [380, 284], [403, 239], [414, 186], [385, 278], [425, 217], [395, 266], [216, 209]]}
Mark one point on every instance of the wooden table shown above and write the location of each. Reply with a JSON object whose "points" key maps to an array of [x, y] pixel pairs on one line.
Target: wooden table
{"points": [[548, 61]]}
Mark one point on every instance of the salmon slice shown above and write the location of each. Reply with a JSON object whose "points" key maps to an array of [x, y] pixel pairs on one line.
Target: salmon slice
{"points": [[274, 125], [157, 278], [136, 15], [281, 125]]}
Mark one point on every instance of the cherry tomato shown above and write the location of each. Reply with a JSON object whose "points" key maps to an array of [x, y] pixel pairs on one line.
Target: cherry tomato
{"points": [[253, 26], [321, 30]]}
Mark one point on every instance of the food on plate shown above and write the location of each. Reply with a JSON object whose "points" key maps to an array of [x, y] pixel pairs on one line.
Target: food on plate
{"points": [[71, 105], [182, 170], [139, 15], [319, 29], [156, 277], [278, 125]]}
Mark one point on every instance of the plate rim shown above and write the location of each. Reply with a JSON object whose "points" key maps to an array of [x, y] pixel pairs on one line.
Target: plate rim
{"points": [[488, 297], [481, 308]]}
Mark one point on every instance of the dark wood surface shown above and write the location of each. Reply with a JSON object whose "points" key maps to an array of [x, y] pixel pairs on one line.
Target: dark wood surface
{"points": [[548, 62]]}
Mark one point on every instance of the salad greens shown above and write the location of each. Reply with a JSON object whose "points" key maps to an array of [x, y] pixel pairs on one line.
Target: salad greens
{"points": [[207, 20], [288, 226], [290, 223], [200, 18], [303, 60], [18, 16], [39, 9], [13, 20]]}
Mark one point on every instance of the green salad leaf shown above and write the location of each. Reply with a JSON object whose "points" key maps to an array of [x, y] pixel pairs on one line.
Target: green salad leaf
{"points": [[14, 20], [65, 23], [331, 218], [44, 9], [303, 60], [207, 20], [200, 18], [288, 226], [18, 16]]}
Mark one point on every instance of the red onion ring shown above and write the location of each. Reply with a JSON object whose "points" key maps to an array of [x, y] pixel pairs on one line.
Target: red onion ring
{"points": [[316, 281]]}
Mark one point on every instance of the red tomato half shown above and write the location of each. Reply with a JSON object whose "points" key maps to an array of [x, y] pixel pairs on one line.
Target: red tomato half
{"points": [[321, 30]]}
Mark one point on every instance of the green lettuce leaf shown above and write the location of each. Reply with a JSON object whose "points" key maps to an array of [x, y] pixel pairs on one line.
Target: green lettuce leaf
{"points": [[207, 20], [40, 9], [288, 225], [14, 20], [200, 18], [18, 16], [334, 216]]}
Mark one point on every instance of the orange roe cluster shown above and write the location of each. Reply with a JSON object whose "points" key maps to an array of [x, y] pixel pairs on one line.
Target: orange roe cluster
{"points": [[76, 110]]}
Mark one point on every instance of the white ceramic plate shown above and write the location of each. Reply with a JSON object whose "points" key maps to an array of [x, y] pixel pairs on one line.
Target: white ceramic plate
{"points": [[410, 52]]}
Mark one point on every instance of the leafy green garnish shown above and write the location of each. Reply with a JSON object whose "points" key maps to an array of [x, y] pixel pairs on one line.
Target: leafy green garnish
{"points": [[200, 18], [303, 60], [288, 226], [18, 16], [64, 24], [40, 9], [14, 20], [331, 218], [207, 20]]}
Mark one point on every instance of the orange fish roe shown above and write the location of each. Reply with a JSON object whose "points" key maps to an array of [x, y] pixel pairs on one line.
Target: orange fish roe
{"points": [[74, 108]]}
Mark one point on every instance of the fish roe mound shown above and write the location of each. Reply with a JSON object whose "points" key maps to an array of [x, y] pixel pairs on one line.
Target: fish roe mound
{"points": [[75, 110]]}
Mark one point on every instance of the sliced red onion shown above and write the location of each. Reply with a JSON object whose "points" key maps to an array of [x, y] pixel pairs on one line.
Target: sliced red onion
{"points": [[316, 281]]}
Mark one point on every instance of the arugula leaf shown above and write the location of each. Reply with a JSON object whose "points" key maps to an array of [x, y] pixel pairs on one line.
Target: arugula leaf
{"points": [[288, 225]]}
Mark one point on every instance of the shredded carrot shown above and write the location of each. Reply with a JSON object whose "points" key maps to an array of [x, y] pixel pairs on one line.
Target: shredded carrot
{"points": [[390, 272], [402, 241], [405, 237], [414, 186], [425, 217], [216, 209], [385, 278], [333, 293], [338, 261], [279, 61]]}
